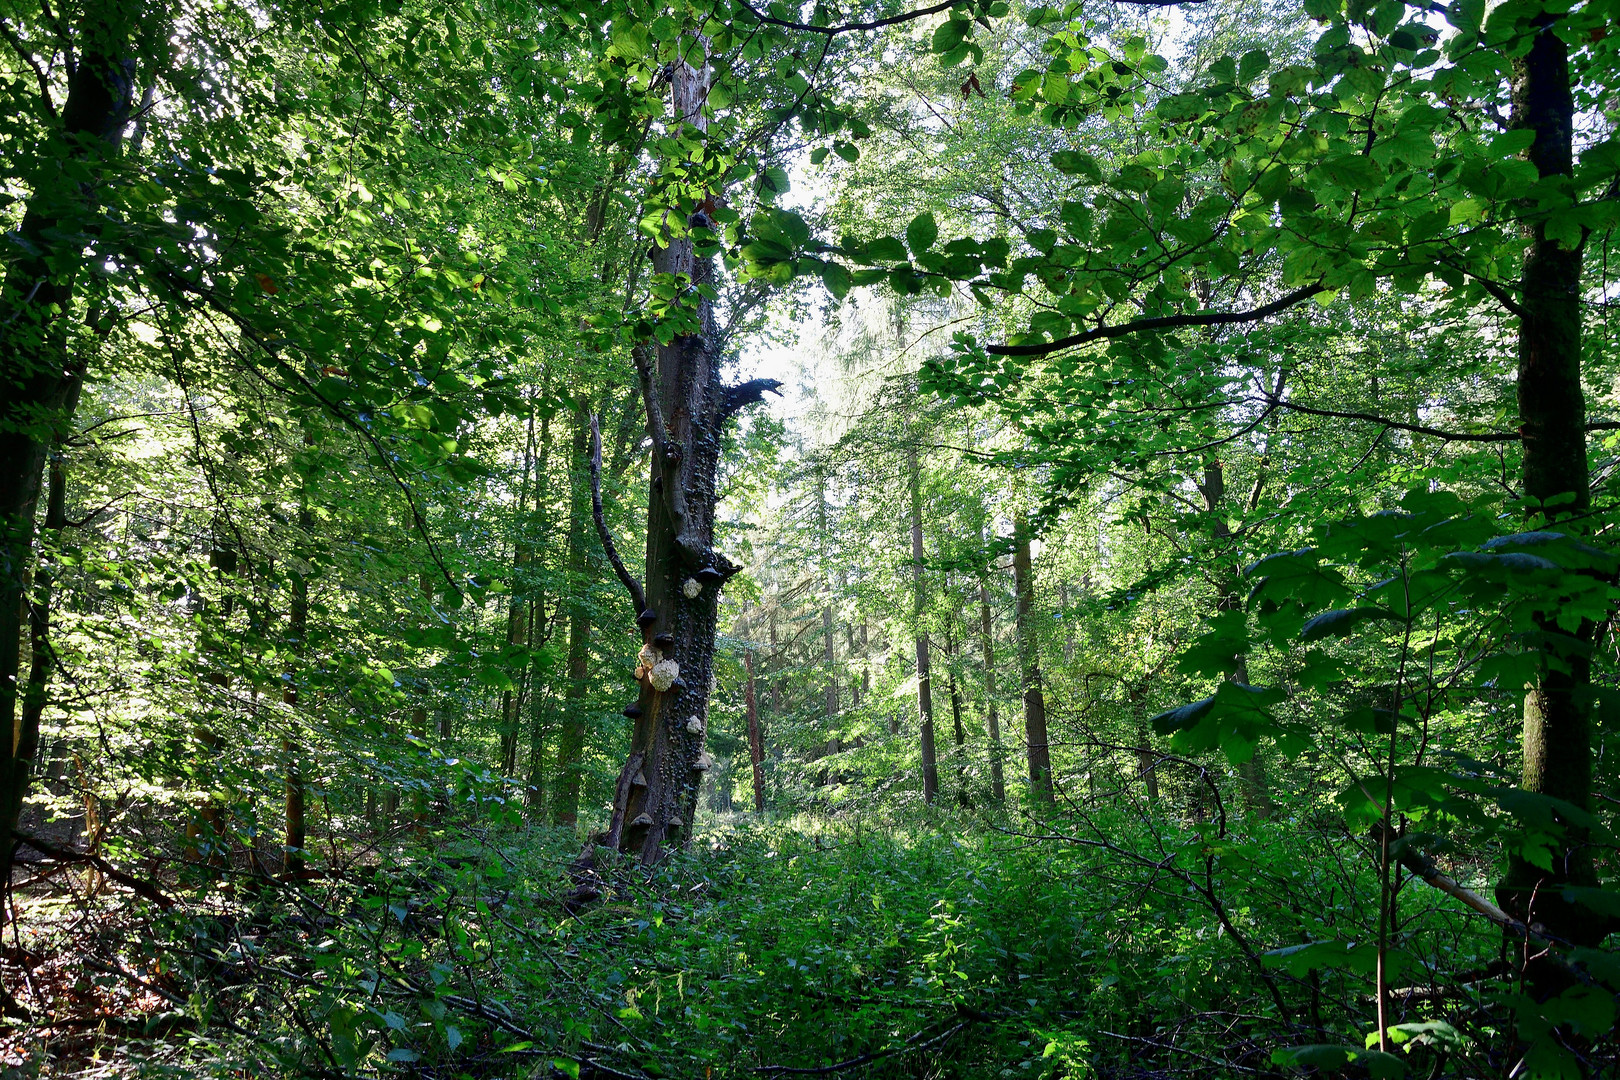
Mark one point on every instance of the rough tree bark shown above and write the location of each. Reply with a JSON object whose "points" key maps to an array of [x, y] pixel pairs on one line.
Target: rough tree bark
{"points": [[1035, 738], [687, 408], [925, 692], [1552, 413]]}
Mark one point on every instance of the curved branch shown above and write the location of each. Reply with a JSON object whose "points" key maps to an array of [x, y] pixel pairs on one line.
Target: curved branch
{"points": [[1162, 322], [637, 597], [910, 16]]}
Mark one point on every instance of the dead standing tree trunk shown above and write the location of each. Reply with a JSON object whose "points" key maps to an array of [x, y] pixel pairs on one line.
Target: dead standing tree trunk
{"points": [[687, 407]]}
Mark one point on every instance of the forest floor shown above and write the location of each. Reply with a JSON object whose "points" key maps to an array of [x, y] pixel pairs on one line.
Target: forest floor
{"points": [[944, 947]]}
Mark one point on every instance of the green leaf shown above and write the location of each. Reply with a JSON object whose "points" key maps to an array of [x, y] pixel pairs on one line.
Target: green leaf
{"points": [[1077, 163], [949, 35], [884, 249], [921, 233], [835, 276], [1341, 622]]}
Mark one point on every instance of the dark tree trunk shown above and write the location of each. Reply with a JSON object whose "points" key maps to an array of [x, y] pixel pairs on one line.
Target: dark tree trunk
{"points": [[998, 782], [1552, 413], [1035, 738], [688, 407], [960, 749], [294, 829], [756, 743], [41, 379], [925, 694], [571, 737]]}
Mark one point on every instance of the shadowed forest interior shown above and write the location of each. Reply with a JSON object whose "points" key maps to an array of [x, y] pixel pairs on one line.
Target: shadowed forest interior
{"points": [[713, 538]]}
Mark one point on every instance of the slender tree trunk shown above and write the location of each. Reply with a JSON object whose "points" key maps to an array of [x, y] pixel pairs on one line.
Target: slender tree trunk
{"points": [[571, 737], [919, 609], [756, 743], [1256, 788], [960, 748], [1552, 413], [41, 378], [294, 830], [1035, 738], [987, 646]]}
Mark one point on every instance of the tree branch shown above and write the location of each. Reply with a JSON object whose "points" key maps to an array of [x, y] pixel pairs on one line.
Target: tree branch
{"points": [[637, 596], [910, 16], [1162, 322], [1416, 429], [745, 394], [69, 855]]}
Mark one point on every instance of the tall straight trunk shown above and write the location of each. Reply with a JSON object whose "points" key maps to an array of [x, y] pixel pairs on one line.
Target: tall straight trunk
{"points": [[688, 408], [518, 615], [42, 380], [571, 737], [864, 687], [42, 661], [756, 742], [1035, 738], [1552, 413], [919, 608], [535, 533], [959, 751], [294, 815], [987, 646], [828, 651]]}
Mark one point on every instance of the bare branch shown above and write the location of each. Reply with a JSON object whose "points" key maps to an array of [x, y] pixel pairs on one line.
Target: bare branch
{"points": [[637, 596], [745, 394]]}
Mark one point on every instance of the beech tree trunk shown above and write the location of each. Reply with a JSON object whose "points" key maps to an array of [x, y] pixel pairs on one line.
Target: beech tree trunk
{"points": [[998, 782], [1552, 413], [687, 407], [925, 694], [1035, 738], [42, 380]]}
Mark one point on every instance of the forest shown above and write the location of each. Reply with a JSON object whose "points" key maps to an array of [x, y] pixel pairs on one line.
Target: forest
{"points": [[705, 539]]}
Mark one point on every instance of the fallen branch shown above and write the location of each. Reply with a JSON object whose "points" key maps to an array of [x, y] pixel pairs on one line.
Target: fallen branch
{"points": [[69, 855], [916, 1042]]}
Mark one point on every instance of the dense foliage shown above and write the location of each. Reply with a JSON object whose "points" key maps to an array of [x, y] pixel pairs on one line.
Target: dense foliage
{"points": [[1163, 629]]}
